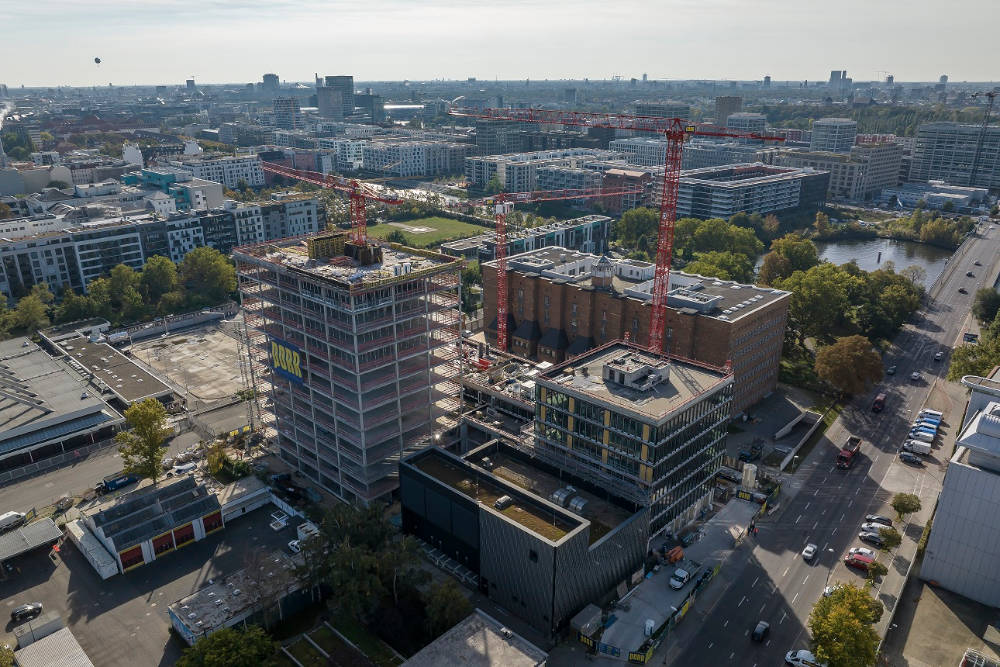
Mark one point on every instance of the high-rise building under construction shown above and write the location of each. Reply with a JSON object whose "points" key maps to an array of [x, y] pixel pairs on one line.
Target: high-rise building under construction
{"points": [[357, 343]]}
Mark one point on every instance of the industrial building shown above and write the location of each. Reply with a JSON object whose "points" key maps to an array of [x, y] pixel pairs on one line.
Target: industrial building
{"points": [[835, 135], [646, 428], [356, 341], [858, 174], [499, 515], [589, 233], [721, 192], [46, 407], [948, 152], [563, 303]]}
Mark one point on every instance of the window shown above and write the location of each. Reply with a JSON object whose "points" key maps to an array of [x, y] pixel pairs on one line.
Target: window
{"points": [[533, 556]]}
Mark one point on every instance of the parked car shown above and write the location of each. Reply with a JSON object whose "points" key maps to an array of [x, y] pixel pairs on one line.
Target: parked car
{"points": [[184, 468], [872, 527], [859, 561], [679, 578], [977, 263], [871, 538], [809, 552], [295, 546], [938, 356], [26, 611], [910, 458], [862, 551], [962, 290], [760, 632], [829, 590], [802, 658], [970, 274], [915, 376], [891, 370], [878, 518]]}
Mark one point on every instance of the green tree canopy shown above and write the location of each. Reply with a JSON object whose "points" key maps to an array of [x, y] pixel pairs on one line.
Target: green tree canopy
{"points": [[141, 447], [841, 629], [819, 299], [493, 186], [31, 314], [726, 265], [890, 537], [986, 304], [208, 276], [905, 504], [850, 364], [636, 223], [230, 647], [800, 252], [158, 277], [446, 606]]}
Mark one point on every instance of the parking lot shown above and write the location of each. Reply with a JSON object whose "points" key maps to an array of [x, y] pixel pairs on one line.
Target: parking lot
{"points": [[123, 620]]}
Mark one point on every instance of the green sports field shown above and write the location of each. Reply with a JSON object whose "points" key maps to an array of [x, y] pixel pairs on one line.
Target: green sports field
{"points": [[427, 232]]}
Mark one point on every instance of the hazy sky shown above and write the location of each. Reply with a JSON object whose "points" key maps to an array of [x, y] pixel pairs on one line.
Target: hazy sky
{"points": [[54, 42]]}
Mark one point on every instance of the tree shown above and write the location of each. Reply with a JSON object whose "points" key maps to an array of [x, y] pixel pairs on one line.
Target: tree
{"points": [[948, 206], [819, 299], [985, 304], [636, 223], [446, 606], [5, 211], [890, 537], [975, 359], [73, 307], [800, 252], [396, 236], [905, 503], [842, 630], [31, 314], [915, 273], [822, 223], [208, 276], [123, 278], [230, 647], [141, 448], [726, 265], [850, 364], [493, 186], [774, 268], [867, 608], [158, 277], [6, 656], [876, 571]]}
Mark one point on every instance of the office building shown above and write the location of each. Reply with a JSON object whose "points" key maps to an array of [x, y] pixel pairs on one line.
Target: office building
{"points": [[951, 152], [589, 233], [700, 153], [646, 428], [229, 170], [642, 151], [287, 115], [490, 512], [665, 109], [935, 194], [857, 175], [743, 121], [335, 96], [243, 134], [721, 192], [371, 105], [836, 135], [558, 177], [269, 83], [356, 342], [725, 106], [562, 303]]}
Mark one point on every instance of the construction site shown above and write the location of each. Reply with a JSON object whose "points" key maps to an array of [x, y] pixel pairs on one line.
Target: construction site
{"points": [[357, 345]]}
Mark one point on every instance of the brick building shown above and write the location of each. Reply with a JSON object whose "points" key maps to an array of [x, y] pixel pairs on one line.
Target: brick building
{"points": [[562, 303]]}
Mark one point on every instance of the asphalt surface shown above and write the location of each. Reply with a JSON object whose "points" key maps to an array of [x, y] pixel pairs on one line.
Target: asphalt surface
{"points": [[770, 581]]}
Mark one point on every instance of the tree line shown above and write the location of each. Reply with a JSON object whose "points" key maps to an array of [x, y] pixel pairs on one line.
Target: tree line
{"points": [[983, 356], [876, 119], [205, 277]]}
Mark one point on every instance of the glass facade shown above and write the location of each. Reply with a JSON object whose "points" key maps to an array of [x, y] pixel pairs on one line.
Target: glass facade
{"points": [[666, 466]]}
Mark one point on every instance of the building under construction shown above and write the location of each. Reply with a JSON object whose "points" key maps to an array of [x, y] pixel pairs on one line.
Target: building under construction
{"points": [[358, 343]]}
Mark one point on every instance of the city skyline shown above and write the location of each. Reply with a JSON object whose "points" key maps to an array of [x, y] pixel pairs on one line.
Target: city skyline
{"points": [[209, 40]]}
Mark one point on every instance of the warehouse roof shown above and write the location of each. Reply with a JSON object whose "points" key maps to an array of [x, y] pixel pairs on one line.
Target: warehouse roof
{"points": [[123, 377], [32, 536], [60, 649]]}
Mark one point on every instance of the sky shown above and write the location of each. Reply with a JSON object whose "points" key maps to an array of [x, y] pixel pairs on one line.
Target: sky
{"points": [[54, 42]]}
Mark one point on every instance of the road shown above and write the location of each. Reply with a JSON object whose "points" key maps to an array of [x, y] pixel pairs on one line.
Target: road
{"points": [[771, 581]]}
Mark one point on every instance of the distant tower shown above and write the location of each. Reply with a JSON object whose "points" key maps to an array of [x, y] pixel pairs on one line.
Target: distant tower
{"points": [[269, 83], [335, 98], [943, 79], [767, 81], [190, 84], [645, 77], [890, 79]]}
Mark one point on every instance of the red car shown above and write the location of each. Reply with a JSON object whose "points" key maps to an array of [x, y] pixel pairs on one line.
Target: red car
{"points": [[859, 561]]}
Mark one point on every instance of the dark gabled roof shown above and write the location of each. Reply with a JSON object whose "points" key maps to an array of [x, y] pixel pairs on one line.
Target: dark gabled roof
{"points": [[529, 330], [554, 339]]}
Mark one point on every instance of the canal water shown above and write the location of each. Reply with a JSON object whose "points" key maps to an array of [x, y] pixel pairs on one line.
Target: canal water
{"points": [[871, 254]]}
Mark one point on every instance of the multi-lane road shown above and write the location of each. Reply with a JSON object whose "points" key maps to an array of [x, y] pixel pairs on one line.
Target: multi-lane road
{"points": [[768, 579]]}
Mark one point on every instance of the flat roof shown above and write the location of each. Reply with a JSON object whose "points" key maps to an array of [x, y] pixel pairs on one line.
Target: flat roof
{"points": [[485, 489], [24, 539], [477, 640], [123, 377], [60, 649], [583, 377], [732, 176]]}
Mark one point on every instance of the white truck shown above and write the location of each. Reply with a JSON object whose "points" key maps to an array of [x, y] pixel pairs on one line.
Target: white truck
{"points": [[679, 578], [917, 447]]}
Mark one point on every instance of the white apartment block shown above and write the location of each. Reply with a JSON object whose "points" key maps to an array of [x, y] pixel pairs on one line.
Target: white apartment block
{"points": [[642, 151], [479, 170], [414, 158], [556, 177], [859, 175], [249, 223], [183, 236], [349, 152], [947, 152], [228, 170], [833, 134]]}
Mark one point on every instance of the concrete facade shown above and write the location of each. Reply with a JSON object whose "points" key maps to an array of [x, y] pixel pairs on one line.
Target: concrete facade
{"points": [[947, 152]]}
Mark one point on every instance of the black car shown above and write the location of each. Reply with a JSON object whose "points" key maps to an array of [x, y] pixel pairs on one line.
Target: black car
{"points": [[760, 632], [962, 290], [911, 458], [872, 538], [26, 611], [878, 518], [970, 274]]}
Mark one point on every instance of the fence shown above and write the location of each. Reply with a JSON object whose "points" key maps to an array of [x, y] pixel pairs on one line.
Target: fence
{"points": [[44, 465]]}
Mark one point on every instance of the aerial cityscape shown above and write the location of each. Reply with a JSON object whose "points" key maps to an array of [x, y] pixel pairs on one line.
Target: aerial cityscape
{"points": [[364, 344]]}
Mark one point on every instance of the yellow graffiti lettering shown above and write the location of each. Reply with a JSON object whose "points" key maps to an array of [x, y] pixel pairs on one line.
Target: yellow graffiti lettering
{"points": [[286, 359]]}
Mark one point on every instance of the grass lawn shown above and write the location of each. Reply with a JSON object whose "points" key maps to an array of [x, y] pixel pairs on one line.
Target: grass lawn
{"points": [[306, 654], [373, 647], [443, 229]]}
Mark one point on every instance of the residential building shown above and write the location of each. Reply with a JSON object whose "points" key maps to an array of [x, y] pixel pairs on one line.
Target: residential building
{"points": [[700, 153], [665, 109], [242, 134], [589, 233], [335, 96], [349, 152], [643, 151], [229, 170], [725, 106], [858, 174], [495, 137], [562, 303], [517, 172], [646, 428], [948, 152], [408, 158], [557, 177], [287, 114], [834, 135], [490, 513], [721, 192], [627, 179], [356, 342]]}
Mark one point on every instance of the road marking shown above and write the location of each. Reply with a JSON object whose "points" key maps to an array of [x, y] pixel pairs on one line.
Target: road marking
{"points": [[742, 600], [795, 598], [805, 580], [857, 490], [711, 644], [767, 643], [824, 480], [842, 516], [754, 582], [807, 506], [784, 615], [834, 532], [850, 503], [786, 572], [875, 459], [723, 625], [732, 655], [797, 518], [825, 545], [816, 525], [762, 607]]}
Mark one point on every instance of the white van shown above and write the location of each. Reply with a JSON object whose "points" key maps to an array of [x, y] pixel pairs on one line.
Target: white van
{"points": [[11, 520], [922, 435], [933, 413]]}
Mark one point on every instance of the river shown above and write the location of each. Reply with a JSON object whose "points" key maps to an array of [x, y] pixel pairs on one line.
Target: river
{"points": [[902, 253]]}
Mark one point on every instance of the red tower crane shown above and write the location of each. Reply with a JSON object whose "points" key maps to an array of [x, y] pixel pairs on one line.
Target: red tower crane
{"points": [[356, 191], [502, 205], [675, 130]]}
